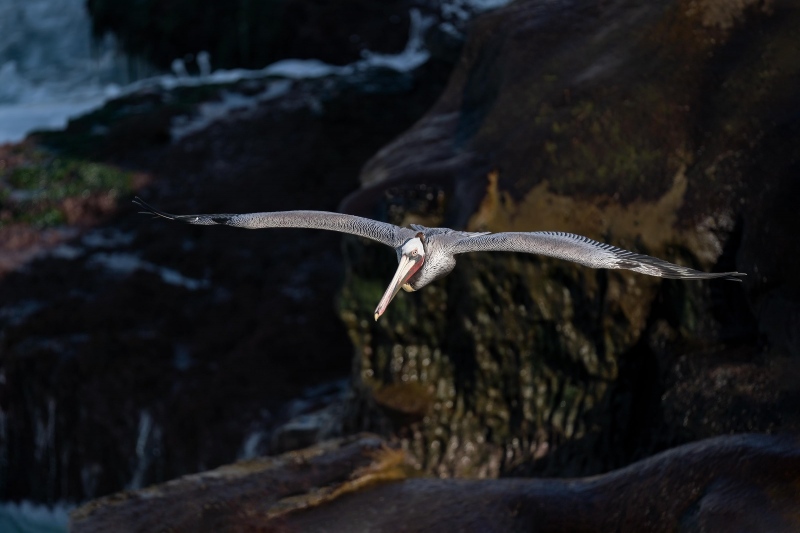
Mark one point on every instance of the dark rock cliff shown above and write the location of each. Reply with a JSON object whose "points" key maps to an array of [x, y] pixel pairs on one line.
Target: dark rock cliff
{"points": [[133, 351], [141, 350], [668, 128], [738, 483], [254, 33]]}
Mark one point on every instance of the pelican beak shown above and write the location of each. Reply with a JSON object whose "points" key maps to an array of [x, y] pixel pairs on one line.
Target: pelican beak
{"points": [[407, 268]]}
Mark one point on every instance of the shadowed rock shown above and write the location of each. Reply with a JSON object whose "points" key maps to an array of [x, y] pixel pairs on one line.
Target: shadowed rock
{"points": [[667, 128], [125, 347], [255, 33], [737, 483]]}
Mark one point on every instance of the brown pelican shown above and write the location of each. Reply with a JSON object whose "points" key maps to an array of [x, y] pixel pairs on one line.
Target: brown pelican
{"points": [[426, 254]]}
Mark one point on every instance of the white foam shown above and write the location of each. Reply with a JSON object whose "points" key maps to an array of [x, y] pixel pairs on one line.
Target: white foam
{"points": [[485, 5], [465, 9], [17, 120], [66, 251], [210, 112], [51, 68], [126, 263], [107, 238], [148, 447], [300, 69], [413, 55], [28, 517], [252, 445], [44, 98]]}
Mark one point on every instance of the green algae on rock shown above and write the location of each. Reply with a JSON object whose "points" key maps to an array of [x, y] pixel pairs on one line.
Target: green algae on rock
{"points": [[44, 189]]}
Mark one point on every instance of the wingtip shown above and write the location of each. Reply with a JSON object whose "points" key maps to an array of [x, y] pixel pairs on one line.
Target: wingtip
{"points": [[150, 210], [735, 276], [141, 203]]}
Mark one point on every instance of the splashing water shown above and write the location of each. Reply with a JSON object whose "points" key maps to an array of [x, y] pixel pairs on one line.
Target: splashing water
{"points": [[27, 517], [51, 68]]}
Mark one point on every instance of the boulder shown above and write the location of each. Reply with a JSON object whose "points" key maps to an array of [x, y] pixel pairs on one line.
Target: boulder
{"points": [[668, 128], [734, 483]]}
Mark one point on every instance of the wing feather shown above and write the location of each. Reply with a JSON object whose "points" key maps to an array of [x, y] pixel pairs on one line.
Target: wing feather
{"points": [[383, 232], [584, 251]]}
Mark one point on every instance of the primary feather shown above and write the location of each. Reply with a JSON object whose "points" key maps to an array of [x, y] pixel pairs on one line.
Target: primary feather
{"points": [[584, 251]]}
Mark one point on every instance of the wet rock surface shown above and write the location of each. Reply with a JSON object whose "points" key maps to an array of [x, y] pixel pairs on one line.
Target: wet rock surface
{"points": [[733, 483], [249, 495]]}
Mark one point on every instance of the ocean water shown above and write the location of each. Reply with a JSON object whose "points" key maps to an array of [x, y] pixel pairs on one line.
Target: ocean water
{"points": [[53, 69], [50, 66], [27, 517]]}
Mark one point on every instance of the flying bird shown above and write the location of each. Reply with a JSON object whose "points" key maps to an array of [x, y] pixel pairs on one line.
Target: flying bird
{"points": [[427, 254]]}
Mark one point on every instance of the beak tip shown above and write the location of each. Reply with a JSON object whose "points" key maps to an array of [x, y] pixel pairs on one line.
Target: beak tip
{"points": [[377, 316]]}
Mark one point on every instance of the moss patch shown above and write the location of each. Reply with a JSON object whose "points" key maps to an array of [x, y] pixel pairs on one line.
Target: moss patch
{"points": [[37, 189]]}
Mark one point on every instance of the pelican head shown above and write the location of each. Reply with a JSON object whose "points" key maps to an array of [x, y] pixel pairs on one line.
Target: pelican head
{"points": [[412, 256]]}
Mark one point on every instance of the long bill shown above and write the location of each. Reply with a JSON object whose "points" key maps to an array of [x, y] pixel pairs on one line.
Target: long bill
{"points": [[406, 269]]}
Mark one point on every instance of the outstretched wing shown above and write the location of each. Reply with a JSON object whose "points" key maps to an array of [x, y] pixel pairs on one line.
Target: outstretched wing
{"points": [[585, 251], [383, 232]]}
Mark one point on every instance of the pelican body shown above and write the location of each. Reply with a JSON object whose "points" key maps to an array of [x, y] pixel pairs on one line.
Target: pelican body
{"points": [[427, 254]]}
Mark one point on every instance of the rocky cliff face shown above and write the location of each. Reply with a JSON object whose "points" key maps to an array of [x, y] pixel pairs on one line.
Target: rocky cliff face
{"points": [[663, 127], [138, 351]]}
